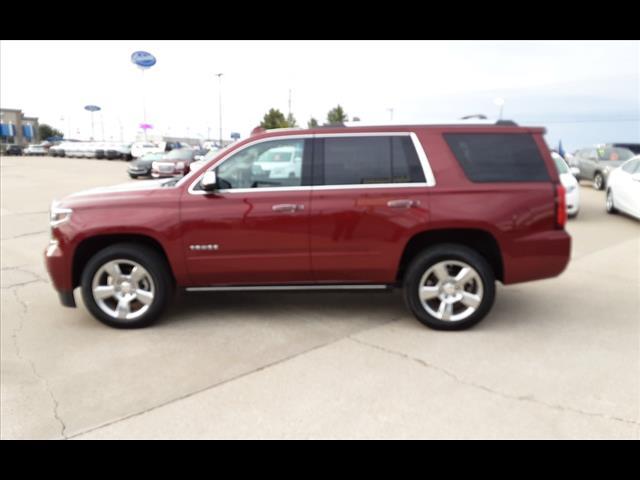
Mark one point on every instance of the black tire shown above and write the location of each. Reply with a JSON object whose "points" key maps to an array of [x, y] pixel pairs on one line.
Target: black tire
{"points": [[574, 215], [133, 176], [610, 206], [598, 181], [448, 252], [150, 260]]}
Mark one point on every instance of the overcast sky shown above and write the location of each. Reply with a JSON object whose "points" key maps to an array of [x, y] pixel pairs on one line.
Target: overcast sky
{"points": [[583, 92]]}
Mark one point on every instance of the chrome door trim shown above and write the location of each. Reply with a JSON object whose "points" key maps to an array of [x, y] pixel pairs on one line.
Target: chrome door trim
{"points": [[422, 156]]}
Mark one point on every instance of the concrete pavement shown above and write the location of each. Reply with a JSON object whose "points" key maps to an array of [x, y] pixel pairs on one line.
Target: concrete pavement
{"points": [[557, 358]]}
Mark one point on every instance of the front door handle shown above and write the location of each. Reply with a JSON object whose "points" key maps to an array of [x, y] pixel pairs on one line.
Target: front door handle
{"points": [[287, 207], [404, 203]]}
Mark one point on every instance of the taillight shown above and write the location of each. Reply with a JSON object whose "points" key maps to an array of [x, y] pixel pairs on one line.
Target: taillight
{"points": [[561, 206]]}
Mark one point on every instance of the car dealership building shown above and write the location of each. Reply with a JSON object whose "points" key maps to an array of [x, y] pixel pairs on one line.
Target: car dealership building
{"points": [[17, 129]]}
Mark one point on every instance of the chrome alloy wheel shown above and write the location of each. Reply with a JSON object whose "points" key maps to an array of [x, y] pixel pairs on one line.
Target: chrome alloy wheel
{"points": [[450, 290], [123, 289]]}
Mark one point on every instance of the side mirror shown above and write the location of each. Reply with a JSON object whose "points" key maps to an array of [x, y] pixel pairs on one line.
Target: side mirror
{"points": [[209, 181]]}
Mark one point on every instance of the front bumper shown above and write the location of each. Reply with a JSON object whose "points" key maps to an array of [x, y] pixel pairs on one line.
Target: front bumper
{"points": [[59, 269]]}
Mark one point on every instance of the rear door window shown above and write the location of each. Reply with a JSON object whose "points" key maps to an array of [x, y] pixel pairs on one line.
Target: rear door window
{"points": [[370, 160], [498, 157]]}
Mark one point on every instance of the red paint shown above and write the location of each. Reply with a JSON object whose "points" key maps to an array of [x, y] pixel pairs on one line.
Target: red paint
{"points": [[339, 235]]}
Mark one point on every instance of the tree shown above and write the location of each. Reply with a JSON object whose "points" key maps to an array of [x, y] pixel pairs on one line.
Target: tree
{"points": [[336, 115], [45, 131], [291, 121], [274, 118], [312, 123]]}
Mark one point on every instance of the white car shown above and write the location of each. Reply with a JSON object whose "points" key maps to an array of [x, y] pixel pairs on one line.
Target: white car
{"points": [[35, 150], [278, 163], [570, 185], [139, 149], [623, 188]]}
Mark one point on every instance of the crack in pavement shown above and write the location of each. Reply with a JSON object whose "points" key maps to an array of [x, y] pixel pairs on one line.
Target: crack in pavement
{"points": [[520, 398], [24, 235], [25, 310], [223, 382], [22, 269]]}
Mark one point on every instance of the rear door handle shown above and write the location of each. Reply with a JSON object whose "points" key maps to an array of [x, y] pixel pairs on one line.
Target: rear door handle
{"points": [[287, 207], [404, 203]]}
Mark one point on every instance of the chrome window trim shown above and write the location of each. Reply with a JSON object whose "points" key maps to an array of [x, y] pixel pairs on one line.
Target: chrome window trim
{"points": [[422, 156]]}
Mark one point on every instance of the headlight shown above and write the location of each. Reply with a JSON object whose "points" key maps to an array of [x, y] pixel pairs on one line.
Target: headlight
{"points": [[180, 166], [59, 215], [154, 165]]}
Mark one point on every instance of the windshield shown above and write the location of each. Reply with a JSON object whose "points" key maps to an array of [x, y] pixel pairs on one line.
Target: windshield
{"points": [[211, 154], [152, 157], [560, 163], [614, 154], [180, 154]]}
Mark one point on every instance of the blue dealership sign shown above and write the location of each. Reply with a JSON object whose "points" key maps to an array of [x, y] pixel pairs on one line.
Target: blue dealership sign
{"points": [[92, 108], [143, 59], [235, 135]]}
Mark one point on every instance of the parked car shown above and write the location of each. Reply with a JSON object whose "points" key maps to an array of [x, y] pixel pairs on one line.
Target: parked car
{"points": [[367, 210], [120, 151], [139, 149], [570, 184], [175, 163], [595, 163], [623, 190], [200, 153], [279, 163], [634, 147], [14, 150], [33, 149], [141, 167]]}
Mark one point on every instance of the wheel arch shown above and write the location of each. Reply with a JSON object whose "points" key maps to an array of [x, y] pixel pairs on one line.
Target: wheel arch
{"points": [[477, 239], [88, 247]]}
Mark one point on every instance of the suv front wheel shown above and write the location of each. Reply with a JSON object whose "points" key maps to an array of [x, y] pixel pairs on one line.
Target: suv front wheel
{"points": [[449, 287], [126, 285]]}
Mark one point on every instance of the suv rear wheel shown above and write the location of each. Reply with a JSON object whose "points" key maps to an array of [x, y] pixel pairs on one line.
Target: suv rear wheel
{"points": [[449, 287], [126, 285]]}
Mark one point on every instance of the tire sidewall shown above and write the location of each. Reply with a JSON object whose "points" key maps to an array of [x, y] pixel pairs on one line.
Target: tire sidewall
{"points": [[437, 254], [150, 260]]}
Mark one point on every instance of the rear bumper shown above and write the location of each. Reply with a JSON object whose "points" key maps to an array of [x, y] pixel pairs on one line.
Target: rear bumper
{"points": [[538, 256]]}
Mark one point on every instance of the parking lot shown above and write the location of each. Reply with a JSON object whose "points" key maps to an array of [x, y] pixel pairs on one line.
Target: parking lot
{"points": [[557, 358]]}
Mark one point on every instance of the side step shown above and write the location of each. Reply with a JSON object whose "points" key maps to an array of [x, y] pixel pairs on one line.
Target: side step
{"points": [[249, 288]]}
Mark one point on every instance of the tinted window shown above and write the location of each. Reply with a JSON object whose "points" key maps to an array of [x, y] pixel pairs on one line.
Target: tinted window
{"points": [[496, 157], [369, 160]]}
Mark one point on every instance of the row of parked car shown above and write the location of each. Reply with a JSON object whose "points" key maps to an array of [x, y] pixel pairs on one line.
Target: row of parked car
{"points": [[614, 168]]}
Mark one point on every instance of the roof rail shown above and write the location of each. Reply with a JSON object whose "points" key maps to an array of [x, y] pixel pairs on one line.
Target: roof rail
{"points": [[507, 122]]}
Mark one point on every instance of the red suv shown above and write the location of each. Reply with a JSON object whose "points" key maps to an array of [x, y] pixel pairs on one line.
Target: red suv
{"points": [[442, 211]]}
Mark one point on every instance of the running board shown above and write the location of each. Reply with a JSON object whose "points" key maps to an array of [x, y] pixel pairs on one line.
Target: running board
{"points": [[287, 287]]}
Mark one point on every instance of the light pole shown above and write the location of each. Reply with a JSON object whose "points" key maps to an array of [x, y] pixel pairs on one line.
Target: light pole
{"points": [[390, 114], [500, 103], [219, 75]]}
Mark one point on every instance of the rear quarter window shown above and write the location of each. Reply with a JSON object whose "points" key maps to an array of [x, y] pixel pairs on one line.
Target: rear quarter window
{"points": [[498, 157]]}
